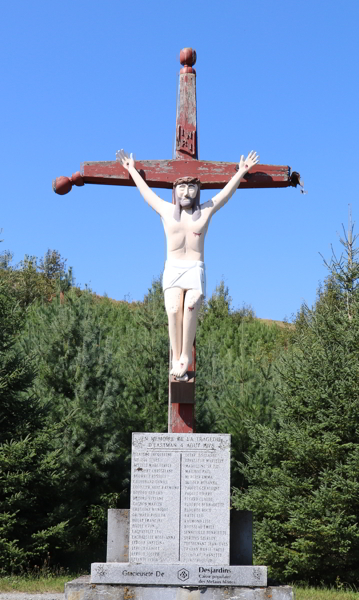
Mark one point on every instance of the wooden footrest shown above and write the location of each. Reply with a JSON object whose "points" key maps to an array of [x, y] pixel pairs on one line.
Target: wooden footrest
{"points": [[182, 392]]}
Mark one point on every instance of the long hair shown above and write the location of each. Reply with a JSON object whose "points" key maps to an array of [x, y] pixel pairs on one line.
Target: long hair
{"points": [[196, 207]]}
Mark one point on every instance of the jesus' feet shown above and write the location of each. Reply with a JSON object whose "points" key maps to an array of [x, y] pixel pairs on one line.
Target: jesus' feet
{"points": [[183, 363], [179, 367], [175, 367]]}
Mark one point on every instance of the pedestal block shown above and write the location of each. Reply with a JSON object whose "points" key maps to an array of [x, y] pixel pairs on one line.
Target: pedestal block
{"points": [[240, 543], [118, 535], [82, 589], [180, 540]]}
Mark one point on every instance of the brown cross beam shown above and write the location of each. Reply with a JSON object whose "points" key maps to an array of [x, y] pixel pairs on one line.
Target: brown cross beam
{"points": [[162, 174]]}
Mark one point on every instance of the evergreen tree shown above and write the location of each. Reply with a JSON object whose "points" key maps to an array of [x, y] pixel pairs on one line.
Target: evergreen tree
{"points": [[304, 487], [235, 352], [18, 411], [144, 359], [80, 385], [103, 373], [34, 279], [31, 523], [28, 465]]}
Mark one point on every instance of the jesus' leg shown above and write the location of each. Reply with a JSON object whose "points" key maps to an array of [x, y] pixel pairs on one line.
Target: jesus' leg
{"points": [[174, 308], [192, 304]]}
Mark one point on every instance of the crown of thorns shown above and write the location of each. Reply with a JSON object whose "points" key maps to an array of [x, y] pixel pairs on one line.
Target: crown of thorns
{"points": [[187, 180]]}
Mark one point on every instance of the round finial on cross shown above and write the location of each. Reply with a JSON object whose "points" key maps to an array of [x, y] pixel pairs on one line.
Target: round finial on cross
{"points": [[63, 185], [188, 58]]}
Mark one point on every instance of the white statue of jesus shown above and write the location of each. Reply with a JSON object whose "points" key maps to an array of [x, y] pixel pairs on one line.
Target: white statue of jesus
{"points": [[184, 277]]}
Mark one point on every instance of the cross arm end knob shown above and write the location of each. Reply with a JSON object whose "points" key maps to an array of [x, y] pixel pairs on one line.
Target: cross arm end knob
{"points": [[63, 185]]}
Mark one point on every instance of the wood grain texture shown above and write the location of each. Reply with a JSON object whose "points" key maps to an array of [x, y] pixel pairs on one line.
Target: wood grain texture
{"points": [[183, 418], [186, 118], [183, 392], [182, 401], [213, 175]]}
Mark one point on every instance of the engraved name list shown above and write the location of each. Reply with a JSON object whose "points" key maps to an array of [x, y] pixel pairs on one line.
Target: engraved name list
{"points": [[180, 491]]}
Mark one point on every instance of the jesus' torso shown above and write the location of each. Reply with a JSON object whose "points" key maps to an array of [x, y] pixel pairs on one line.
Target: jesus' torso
{"points": [[185, 238]]}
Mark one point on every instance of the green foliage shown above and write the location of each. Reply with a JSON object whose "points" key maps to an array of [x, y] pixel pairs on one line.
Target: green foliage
{"points": [[16, 371], [35, 279], [30, 476], [79, 374], [234, 386], [304, 487], [29, 469], [144, 362], [102, 372]]}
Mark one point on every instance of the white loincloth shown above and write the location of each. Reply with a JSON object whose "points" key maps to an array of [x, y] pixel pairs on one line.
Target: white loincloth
{"points": [[185, 274]]}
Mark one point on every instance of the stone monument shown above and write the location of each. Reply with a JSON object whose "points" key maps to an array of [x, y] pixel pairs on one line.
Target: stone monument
{"points": [[179, 540], [176, 545], [180, 516]]}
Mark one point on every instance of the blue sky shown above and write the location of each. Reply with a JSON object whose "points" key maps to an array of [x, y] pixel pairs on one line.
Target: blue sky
{"points": [[81, 79]]}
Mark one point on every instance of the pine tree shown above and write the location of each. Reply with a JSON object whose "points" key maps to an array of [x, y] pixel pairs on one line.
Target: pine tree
{"points": [[17, 372], [102, 373], [144, 359], [235, 381], [304, 487], [28, 465], [34, 279]]}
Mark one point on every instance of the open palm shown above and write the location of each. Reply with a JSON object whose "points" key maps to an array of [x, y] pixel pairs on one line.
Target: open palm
{"points": [[251, 160], [126, 160]]}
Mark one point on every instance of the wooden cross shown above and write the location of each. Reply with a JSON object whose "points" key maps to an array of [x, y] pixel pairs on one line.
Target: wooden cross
{"points": [[162, 174]]}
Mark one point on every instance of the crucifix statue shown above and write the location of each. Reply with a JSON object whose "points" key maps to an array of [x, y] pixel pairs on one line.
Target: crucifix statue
{"points": [[184, 278], [185, 224]]}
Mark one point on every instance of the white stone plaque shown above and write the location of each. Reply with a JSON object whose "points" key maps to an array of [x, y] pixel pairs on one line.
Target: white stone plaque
{"points": [[185, 574], [180, 493]]}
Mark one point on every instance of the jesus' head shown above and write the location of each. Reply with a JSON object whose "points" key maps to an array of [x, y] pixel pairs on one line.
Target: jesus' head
{"points": [[186, 194]]}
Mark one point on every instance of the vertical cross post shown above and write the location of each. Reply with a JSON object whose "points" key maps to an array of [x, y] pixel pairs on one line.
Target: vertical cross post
{"points": [[181, 394], [186, 118], [181, 400]]}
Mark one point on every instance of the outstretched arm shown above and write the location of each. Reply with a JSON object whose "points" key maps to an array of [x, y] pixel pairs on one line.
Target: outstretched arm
{"points": [[128, 162], [224, 195]]}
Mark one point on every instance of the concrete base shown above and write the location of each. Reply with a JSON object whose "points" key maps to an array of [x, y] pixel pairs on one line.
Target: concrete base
{"points": [[82, 589]]}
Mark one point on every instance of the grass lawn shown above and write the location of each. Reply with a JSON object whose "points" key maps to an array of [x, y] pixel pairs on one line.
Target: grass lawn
{"points": [[47, 583], [310, 593]]}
